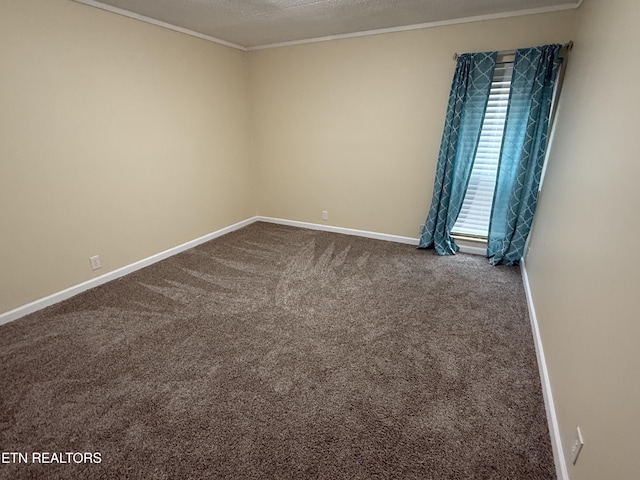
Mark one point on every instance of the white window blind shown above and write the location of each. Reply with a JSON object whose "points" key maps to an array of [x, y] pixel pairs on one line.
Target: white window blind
{"points": [[475, 214]]}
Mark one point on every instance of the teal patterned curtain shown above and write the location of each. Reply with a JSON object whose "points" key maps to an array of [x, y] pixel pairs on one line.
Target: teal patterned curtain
{"points": [[523, 152], [463, 121]]}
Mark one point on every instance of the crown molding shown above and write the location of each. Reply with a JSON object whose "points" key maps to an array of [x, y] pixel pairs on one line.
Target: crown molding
{"points": [[419, 26], [158, 23], [456, 21]]}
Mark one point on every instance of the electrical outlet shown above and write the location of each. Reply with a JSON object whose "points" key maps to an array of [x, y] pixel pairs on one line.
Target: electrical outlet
{"points": [[325, 215], [420, 227], [95, 262], [576, 447]]}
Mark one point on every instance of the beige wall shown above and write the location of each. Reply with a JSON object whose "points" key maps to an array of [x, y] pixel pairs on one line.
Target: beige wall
{"points": [[582, 264], [119, 138], [353, 126], [123, 139]]}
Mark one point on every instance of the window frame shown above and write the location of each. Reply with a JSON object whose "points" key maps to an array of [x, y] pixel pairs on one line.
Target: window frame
{"points": [[504, 59]]}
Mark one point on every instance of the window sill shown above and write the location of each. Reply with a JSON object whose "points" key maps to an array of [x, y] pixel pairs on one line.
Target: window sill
{"points": [[467, 244], [469, 238]]}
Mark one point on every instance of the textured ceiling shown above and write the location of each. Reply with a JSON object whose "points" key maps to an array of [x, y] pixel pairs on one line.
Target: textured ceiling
{"points": [[252, 23]]}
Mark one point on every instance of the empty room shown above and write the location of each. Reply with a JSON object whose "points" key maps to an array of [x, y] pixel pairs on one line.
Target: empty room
{"points": [[321, 239]]}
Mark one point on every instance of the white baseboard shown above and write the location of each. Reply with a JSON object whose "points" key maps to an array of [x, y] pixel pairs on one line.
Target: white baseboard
{"points": [[473, 250], [480, 250], [120, 272], [345, 231], [362, 233], [561, 466], [114, 274], [552, 419]]}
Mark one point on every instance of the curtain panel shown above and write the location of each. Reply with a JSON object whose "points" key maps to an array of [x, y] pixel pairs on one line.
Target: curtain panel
{"points": [[522, 156], [465, 114]]}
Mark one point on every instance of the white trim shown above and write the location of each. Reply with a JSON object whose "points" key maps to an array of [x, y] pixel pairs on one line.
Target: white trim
{"points": [[469, 249], [343, 230], [473, 250], [455, 21], [361, 233], [556, 442], [441, 23], [552, 419], [120, 272], [127, 269], [158, 23], [464, 238]]}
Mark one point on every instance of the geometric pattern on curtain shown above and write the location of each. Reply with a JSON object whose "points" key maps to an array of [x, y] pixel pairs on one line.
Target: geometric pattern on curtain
{"points": [[523, 152], [463, 121]]}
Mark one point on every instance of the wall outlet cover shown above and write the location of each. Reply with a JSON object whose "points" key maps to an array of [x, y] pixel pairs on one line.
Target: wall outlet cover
{"points": [[95, 262], [576, 446]]}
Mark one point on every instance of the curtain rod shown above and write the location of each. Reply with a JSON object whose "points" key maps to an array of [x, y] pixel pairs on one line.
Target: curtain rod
{"points": [[568, 46]]}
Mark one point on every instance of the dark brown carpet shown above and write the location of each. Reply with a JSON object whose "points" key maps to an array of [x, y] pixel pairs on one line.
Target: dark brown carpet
{"points": [[282, 353]]}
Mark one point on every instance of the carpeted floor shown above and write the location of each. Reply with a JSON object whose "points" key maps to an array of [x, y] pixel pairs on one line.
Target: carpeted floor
{"points": [[282, 353]]}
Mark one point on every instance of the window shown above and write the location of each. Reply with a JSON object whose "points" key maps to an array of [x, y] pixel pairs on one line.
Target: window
{"points": [[475, 213]]}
